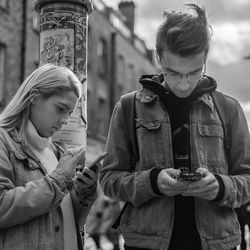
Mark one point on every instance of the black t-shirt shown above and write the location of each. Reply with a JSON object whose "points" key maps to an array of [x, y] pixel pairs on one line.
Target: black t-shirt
{"points": [[185, 235]]}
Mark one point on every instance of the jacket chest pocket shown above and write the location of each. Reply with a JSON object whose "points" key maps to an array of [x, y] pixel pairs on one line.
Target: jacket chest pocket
{"points": [[25, 168], [151, 137], [211, 146]]}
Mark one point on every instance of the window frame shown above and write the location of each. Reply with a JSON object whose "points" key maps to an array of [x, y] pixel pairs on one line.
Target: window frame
{"points": [[102, 57], [2, 73]]}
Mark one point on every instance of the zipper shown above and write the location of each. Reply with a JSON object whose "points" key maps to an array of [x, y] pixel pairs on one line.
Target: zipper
{"points": [[190, 139]]}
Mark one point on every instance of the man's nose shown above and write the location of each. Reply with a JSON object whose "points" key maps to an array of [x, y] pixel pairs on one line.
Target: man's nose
{"points": [[183, 84]]}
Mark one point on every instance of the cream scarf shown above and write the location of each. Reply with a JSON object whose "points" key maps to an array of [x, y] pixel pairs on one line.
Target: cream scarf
{"points": [[40, 146]]}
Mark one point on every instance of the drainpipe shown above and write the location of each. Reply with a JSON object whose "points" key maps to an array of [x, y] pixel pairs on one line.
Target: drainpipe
{"points": [[112, 86], [23, 41]]}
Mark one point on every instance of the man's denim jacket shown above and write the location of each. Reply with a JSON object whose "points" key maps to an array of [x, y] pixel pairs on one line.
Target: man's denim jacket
{"points": [[148, 219], [30, 212]]}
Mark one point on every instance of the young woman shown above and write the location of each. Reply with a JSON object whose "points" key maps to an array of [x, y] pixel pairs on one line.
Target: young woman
{"points": [[42, 203]]}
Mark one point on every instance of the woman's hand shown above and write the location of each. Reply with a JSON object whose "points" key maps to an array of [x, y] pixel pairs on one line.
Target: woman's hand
{"points": [[69, 161], [84, 192], [89, 175]]}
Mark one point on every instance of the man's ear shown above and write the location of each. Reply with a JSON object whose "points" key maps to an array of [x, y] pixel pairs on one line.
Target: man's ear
{"points": [[157, 57]]}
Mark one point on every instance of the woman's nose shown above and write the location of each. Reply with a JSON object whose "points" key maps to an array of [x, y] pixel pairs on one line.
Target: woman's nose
{"points": [[64, 120]]}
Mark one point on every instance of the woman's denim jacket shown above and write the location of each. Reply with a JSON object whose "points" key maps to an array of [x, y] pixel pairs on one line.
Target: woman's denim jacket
{"points": [[148, 219], [30, 212]]}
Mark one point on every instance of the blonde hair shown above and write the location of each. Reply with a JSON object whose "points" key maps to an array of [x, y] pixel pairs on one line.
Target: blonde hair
{"points": [[46, 81]]}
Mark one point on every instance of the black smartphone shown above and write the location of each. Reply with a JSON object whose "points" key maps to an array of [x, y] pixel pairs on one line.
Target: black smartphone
{"points": [[93, 166], [189, 177], [186, 175]]}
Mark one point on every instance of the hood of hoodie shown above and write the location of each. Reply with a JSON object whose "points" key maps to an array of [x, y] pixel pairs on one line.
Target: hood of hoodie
{"points": [[156, 84]]}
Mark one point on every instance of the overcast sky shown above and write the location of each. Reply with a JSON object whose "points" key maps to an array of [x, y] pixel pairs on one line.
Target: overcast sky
{"points": [[230, 42]]}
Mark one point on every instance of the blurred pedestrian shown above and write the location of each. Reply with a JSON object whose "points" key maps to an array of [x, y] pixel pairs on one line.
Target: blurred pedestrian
{"points": [[111, 210], [184, 189], [94, 220], [243, 214], [100, 220], [43, 202]]}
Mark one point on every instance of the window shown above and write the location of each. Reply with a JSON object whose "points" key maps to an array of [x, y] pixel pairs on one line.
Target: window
{"points": [[2, 59], [131, 77], [4, 4], [102, 57], [121, 76], [119, 91], [101, 116], [121, 71], [36, 21], [36, 63]]}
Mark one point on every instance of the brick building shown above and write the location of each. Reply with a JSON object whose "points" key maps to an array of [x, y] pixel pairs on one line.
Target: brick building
{"points": [[116, 57]]}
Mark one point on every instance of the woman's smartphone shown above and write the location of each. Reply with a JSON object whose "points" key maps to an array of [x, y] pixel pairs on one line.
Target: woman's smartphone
{"points": [[94, 165]]}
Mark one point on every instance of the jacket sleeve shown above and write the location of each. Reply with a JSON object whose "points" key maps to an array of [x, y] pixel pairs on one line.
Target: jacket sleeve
{"points": [[82, 199], [116, 178], [237, 182], [19, 204]]}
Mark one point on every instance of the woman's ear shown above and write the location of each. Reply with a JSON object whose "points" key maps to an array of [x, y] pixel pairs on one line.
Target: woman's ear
{"points": [[35, 96]]}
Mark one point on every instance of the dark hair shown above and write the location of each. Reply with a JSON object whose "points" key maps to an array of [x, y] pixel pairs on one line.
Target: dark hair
{"points": [[184, 34]]}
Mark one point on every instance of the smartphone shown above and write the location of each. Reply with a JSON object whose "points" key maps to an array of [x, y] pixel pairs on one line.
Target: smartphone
{"points": [[93, 166], [189, 177], [186, 175]]}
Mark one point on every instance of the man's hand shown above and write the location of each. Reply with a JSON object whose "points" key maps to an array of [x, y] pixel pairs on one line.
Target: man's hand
{"points": [[167, 183], [206, 188]]}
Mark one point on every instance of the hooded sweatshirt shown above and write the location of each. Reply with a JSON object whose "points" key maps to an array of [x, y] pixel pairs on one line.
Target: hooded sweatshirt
{"points": [[178, 109]]}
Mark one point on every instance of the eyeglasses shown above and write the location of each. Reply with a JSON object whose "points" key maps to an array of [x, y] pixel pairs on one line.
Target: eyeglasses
{"points": [[172, 76], [175, 77]]}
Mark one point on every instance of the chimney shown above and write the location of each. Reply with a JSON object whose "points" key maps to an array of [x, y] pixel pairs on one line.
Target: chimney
{"points": [[127, 8]]}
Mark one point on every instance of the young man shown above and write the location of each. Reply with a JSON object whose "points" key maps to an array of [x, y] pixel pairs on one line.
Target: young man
{"points": [[177, 125]]}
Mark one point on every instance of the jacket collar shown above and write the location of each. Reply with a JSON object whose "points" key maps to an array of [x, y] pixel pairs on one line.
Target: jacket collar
{"points": [[19, 140], [207, 100], [147, 96], [16, 137]]}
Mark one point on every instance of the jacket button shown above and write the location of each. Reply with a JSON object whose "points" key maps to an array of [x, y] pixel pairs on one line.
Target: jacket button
{"points": [[57, 228]]}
